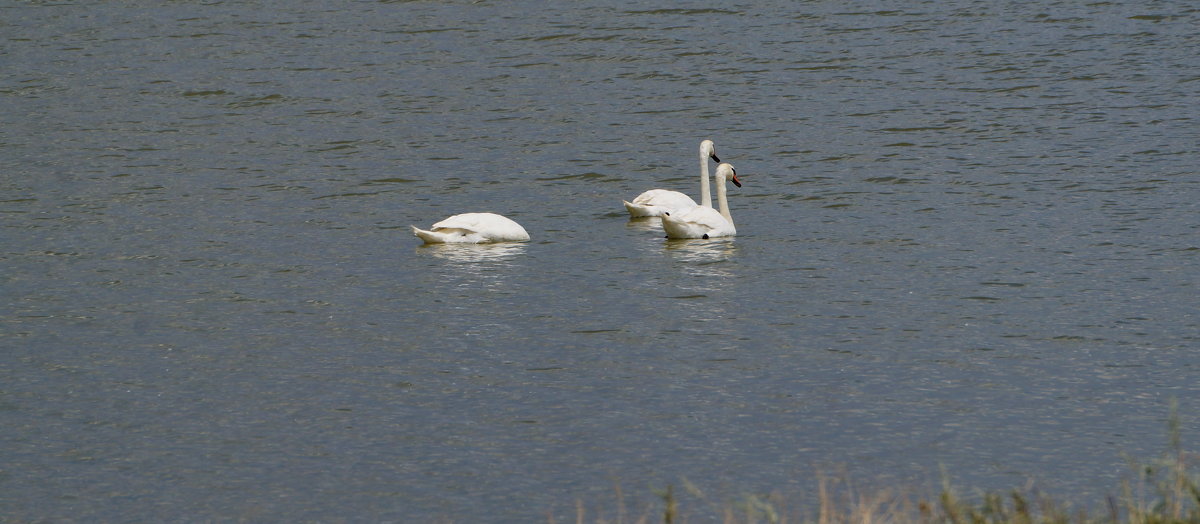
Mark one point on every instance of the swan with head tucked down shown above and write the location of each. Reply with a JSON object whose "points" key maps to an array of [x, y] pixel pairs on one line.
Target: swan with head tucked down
{"points": [[473, 228], [654, 202], [705, 222]]}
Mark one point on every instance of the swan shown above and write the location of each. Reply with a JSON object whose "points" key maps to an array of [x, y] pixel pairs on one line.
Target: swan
{"points": [[705, 222], [473, 228], [652, 203]]}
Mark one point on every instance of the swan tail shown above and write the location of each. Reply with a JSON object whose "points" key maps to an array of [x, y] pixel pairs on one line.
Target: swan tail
{"points": [[430, 237], [671, 225], [637, 210]]}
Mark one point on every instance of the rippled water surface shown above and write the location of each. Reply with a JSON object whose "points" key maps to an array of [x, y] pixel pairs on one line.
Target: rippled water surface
{"points": [[967, 238]]}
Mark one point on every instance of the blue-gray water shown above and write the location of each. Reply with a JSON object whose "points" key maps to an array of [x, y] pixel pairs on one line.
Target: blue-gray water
{"points": [[968, 237]]}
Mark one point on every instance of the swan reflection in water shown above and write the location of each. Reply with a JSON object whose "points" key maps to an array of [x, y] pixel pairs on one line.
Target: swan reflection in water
{"points": [[472, 253], [707, 263], [708, 267], [471, 268], [653, 224], [701, 251]]}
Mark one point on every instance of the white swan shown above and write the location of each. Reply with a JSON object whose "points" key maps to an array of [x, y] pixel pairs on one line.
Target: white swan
{"points": [[652, 203], [473, 228], [705, 222]]}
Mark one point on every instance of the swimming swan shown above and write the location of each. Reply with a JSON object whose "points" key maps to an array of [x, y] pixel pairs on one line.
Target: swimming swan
{"points": [[705, 222], [652, 203], [473, 228]]}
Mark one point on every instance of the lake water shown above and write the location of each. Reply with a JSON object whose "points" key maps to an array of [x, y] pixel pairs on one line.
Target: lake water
{"points": [[968, 238]]}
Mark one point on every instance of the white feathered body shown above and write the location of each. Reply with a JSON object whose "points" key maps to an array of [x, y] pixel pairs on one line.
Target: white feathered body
{"points": [[473, 228], [699, 222], [654, 202]]}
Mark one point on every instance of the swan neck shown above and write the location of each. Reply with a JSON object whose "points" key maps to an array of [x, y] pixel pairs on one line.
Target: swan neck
{"points": [[705, 193], [721, 200]]}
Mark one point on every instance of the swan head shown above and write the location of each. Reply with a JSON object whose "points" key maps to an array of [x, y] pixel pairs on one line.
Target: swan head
{"points": [[708, 149], [727, 172]]}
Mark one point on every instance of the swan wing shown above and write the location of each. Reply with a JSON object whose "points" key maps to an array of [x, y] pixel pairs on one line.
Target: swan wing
{"points": [[655, 201], [471, 221], [665, 198]]}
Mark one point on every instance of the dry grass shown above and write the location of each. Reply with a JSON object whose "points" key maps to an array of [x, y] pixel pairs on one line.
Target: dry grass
{"points": [[1164, 491]]}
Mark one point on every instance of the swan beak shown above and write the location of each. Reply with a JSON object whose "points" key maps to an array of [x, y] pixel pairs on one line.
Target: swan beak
{"points": [[735, 180], [714, 157]]}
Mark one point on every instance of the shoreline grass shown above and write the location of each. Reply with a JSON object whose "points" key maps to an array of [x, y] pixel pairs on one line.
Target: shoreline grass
{"points": [[1162, 491]]}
